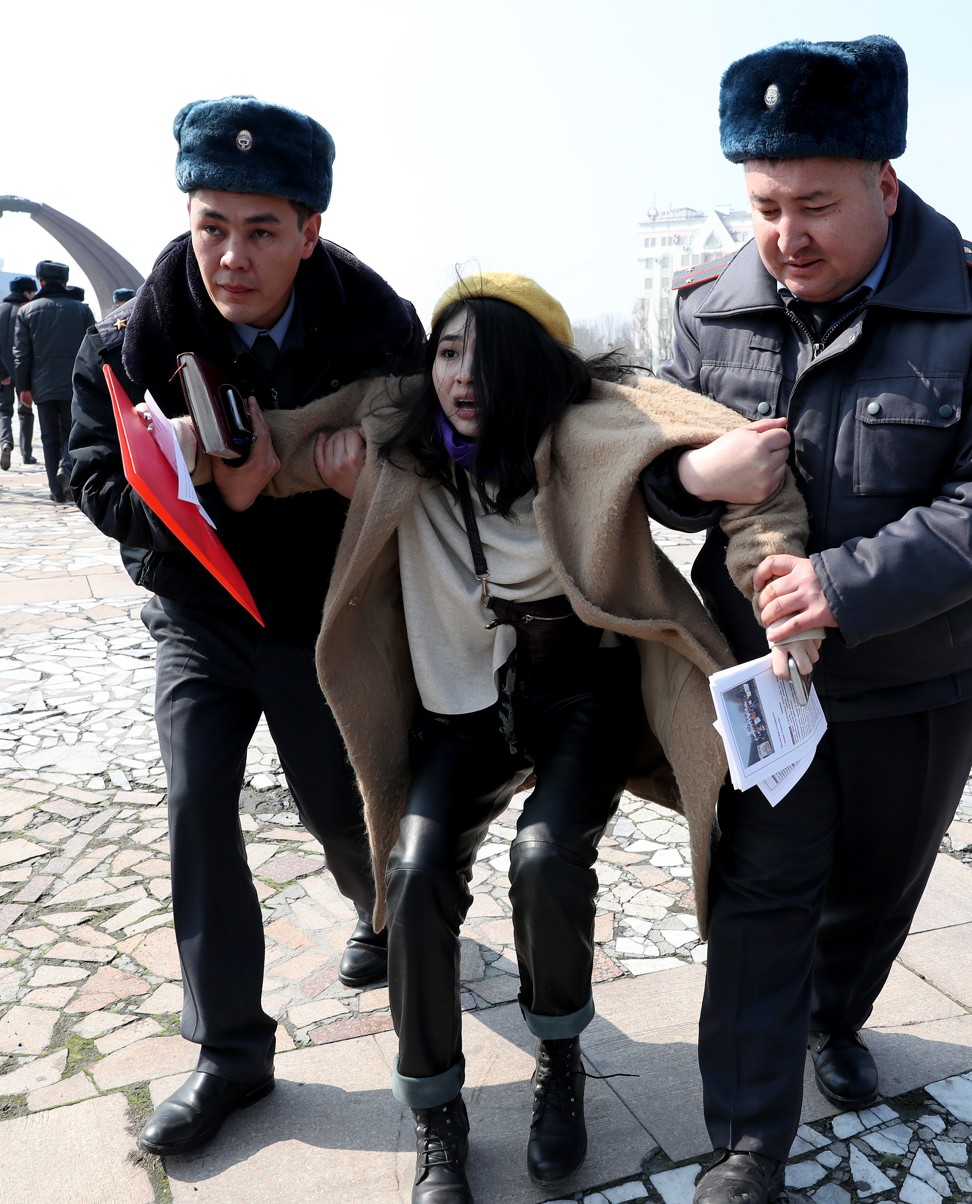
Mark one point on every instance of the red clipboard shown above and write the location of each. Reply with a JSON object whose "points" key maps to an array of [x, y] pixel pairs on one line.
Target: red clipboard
{"points": [[152, 477]]}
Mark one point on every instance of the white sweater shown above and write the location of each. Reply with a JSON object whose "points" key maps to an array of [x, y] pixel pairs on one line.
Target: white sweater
{"points": [[455, 658]]}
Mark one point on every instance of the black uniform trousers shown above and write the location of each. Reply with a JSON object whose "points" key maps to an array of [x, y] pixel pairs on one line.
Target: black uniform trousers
{"points": [[55, 427], [576, 726], [811, 902], [213, 682]]}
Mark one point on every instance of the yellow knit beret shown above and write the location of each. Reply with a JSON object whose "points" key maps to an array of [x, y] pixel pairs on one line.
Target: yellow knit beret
{"points": [[520, 291]]}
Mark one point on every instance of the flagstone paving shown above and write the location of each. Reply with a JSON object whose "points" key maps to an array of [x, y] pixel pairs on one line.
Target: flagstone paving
{"points": [[90, 989]]}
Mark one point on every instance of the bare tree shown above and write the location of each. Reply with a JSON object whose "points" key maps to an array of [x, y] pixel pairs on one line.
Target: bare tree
{"points": [[641, 330], [606, 333]]}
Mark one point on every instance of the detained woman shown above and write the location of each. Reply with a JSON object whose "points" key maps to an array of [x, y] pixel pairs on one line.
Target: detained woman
{"points": [[499, 617]]}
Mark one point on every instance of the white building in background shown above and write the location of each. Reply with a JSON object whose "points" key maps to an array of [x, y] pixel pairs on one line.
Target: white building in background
{"points": [[668, 241]]}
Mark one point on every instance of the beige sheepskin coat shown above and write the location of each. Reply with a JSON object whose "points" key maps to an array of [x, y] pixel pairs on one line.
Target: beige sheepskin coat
{"points": [[593, 525]]}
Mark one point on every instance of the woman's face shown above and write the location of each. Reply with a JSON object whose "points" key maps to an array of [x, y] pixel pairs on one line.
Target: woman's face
{"points": [[452, 373]]}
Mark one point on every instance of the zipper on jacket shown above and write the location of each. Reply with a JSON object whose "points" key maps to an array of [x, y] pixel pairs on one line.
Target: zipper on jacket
{"points": [[818, 343], [815, 347]]}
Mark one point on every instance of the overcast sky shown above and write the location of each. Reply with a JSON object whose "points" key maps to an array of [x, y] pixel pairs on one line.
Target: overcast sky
{"points": [[520, 135]]}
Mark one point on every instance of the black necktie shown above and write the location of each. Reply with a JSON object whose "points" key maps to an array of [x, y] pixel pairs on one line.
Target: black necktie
{"points": [[265, 352]]}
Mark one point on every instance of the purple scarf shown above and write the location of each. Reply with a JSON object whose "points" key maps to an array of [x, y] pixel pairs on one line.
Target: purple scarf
{"points": [[458, 447]]}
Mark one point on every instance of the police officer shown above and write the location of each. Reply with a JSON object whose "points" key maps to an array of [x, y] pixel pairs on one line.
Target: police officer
{"points": [[849, 313], [254, 290], [47, 334], [22, 290]]}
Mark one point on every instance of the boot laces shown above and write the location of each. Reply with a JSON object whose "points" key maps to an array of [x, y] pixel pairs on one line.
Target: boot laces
{"points": [[439, 1138], [554, 1080]]}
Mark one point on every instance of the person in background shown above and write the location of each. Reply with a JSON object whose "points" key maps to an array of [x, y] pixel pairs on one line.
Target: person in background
{"points": [[849, 313], [47, 334], [120, 296], [254, 290], [22, 289]]}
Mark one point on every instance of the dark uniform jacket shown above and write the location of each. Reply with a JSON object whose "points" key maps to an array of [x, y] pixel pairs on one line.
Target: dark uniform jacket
{"points": [[882, 451], [347, 323], [47, 334], [9, 307]]}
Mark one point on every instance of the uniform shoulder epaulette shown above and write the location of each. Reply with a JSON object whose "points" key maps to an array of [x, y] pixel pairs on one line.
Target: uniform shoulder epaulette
{"points": [[111, 329], [701, 273]]}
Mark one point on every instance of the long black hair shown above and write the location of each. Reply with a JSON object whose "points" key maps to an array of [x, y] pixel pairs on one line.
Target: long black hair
{"points": [[523, 380]]}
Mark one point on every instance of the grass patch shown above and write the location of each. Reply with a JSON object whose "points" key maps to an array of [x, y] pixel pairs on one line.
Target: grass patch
{"points": [[168, 1022], [139, 1110], [81, 1052], [12, 1105]]}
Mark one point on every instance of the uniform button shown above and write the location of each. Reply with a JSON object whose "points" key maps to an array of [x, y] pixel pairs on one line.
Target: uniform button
{"points": [[764, 408], [352, 602], [335, 384], [874, 408], [945, 411]]}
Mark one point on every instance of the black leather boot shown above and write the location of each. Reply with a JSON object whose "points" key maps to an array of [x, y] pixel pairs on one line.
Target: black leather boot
{"points": [[441, 1146], [365, 958], [558, 1135]]}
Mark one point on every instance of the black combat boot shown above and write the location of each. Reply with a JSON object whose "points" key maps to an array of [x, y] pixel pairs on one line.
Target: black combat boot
{"points": [[441, 1146], [558, 1135]]}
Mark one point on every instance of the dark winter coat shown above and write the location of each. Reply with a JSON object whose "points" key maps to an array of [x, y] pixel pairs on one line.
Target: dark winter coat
{"points": [[347, 323], [882, 449], [8, 315], [47, 334]]}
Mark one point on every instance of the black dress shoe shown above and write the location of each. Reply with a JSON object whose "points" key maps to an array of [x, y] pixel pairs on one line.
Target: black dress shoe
{"points": [[365, 959], [194, 1113], [740, 1177], [441, 1148], [558, 1134], [64, 480], [30, 459], [844, 1069]]}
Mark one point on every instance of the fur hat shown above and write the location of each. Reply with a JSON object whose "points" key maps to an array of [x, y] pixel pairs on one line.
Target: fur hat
{"points": [[241, 144], [801, 100], [50, 269], [120, 295], [23, 284], [520, 291]]}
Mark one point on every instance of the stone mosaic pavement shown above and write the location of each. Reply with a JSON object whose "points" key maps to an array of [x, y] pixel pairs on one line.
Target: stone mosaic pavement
{"points": [[90, 990]]}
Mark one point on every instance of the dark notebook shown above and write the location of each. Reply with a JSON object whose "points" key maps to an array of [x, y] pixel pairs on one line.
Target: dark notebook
{"points": [[217, 408]]}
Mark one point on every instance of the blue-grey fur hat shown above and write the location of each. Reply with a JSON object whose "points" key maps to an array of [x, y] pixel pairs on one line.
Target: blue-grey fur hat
{"points": [[121, 295], [50, 269], [241, 144], [801, 100], [23, 284]]}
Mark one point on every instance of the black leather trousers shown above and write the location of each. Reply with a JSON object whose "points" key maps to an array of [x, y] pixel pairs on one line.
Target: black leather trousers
{"points": [[576, 722]]}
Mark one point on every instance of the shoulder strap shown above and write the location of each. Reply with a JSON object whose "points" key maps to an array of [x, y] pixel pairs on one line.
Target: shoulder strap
{"points": [[701, 273], [480, 567], [111, 329]]}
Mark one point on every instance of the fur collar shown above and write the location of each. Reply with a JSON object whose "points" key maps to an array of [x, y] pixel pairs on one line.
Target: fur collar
{"points": [[349, 310]]}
